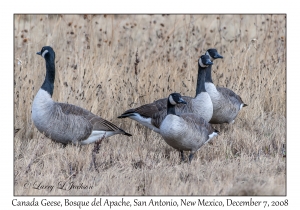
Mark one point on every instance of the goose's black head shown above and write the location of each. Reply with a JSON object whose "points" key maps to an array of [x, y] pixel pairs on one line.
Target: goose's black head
{"points": [[47, 52], [175, 98], [204, 61], [213, 53]]}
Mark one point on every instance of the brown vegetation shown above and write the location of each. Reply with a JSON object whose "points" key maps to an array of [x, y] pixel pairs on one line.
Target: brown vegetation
{"points": [[96, 69]]}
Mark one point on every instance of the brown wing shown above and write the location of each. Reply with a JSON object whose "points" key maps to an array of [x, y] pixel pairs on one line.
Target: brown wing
{"points": [[197, 122], [97, 122], [153, 110], [147, 110], [232, 96], [158, 117], [102, 124]]}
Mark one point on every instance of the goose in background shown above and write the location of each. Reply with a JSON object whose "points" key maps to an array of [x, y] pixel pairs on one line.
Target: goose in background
{"points": [[187, 131], [151, 115], [66, 123], [226, 103]]}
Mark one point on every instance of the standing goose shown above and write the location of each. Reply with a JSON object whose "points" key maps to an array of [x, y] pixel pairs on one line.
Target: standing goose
{"points": [[151, 115], [226, 104], [66, 123], [185, 132]]}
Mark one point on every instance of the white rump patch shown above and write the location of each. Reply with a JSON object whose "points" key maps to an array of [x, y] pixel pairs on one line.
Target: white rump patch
{"points": [[231, 122], [44, 53], [241, 106], [210, 136], [172, 100], [201, 64], [144, 121], [97, 135]]}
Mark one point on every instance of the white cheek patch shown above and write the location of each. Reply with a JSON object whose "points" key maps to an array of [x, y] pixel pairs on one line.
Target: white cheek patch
{"points": [[172, 100], [44, 53], [201, 64], [210, 58]]}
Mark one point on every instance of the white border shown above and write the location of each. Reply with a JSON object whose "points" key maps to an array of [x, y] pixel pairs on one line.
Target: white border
{"points": [[154, 6]]}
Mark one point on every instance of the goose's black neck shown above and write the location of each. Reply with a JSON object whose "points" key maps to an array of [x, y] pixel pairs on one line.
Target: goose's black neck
{"points": [[201, 80], [48, 84], [208, 74], [170, 108]]}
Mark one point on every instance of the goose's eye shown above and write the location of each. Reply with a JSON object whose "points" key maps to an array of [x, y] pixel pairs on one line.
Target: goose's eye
{"points": [[43, 49]]}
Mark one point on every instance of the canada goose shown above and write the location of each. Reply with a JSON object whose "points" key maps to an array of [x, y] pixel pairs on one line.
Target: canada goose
{"points": [[66, 123], [151, 115], [226, 103], [185, 132]]}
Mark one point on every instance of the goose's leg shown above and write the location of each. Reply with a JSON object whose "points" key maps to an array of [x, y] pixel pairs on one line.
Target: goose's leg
{"points": [[191, 156], [96, 151], [97, 145], [182, 156]]}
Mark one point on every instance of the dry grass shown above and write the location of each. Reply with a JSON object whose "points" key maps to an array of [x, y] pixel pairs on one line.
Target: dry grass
{"points": [[95, 69]]}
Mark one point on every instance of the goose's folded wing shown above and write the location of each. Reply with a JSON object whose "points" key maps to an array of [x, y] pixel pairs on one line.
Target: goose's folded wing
{"points": [[158, 117], [96, 122], [154, 109], [102, 124], [197, 122], [227, 93], [70, 109], [148, 110]]}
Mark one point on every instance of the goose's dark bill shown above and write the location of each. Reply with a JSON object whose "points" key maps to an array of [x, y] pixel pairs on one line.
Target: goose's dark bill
{"points": [[213, 53], [175, 98], [204, 61], [181, 101]]}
